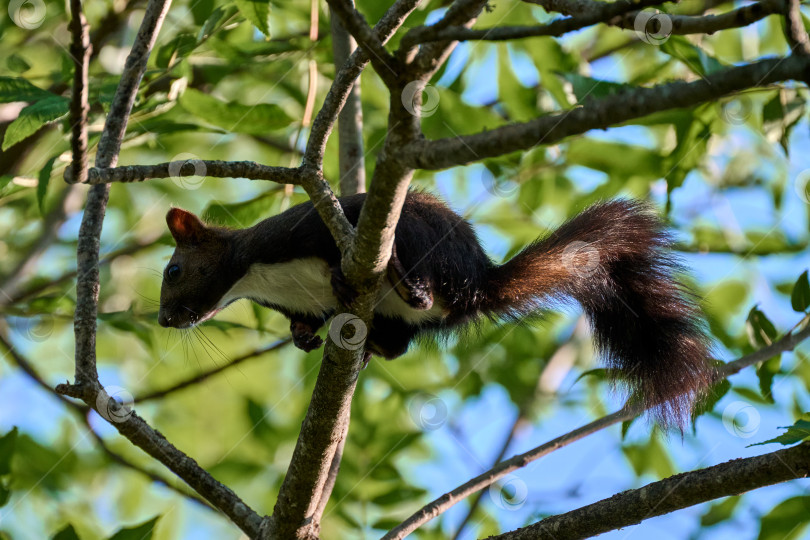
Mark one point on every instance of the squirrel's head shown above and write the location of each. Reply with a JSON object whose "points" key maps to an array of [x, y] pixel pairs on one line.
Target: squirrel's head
{"points": [[198, 274]]}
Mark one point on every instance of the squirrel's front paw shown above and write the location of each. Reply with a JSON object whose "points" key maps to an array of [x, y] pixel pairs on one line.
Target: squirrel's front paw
{"points": [[303, 336]]}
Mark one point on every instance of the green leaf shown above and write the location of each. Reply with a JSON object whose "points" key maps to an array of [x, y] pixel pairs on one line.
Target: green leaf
{"points": [[694, 57], [17, 64], [176, 49], [254, 119], [7, 445], [68, 533], [218, 17], [143, 531], [399, 495], [34, 117], [600, 374], [794, 434], [626, 426], [719, 511], [42, 184], [800, 297], [761, 331], [712, 397], [616, 159], [18, 89], [787, 520], [590, 88], [257, 12], [766, 372]]}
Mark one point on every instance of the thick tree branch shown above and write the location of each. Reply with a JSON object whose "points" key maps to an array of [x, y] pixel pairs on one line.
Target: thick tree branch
{"points": [[351, 162], [628, 412], [86, 386], [676, 492], [599, 114], [325, 422], [90, 230]]}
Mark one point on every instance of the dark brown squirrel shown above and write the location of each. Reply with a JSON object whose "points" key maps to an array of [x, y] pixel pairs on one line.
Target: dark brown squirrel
{"points": [[613, 259]]}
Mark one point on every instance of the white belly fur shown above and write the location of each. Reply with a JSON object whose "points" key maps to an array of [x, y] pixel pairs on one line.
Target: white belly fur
{"points": [[303, 286]]}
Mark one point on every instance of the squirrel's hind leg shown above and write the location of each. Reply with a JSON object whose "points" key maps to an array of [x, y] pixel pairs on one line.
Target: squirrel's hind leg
{"points": [[410, 286]]}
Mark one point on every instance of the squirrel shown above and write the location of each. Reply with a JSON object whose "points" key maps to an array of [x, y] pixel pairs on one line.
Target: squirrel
{"points": [[613, 259]]}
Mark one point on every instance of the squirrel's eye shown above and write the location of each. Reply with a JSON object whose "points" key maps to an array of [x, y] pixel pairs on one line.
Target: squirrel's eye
{"points": [[173, 272]]}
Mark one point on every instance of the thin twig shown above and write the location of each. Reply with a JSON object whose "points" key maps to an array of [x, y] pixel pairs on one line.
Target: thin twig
{"points": [[193, 167], [794, 25], [628, 412], [158, 394], [351, 157]]}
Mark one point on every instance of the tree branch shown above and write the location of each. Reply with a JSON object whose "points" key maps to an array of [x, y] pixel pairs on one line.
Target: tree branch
{"points": [[628, 412], [676, 492], [796, 34], [599, 114], [352, 180], [192, 167], [90, 230], [80, 51], [387, 66], [86, 386], [351, 157], [325, 422], [603, 14], [681, 23], [344, 81]]}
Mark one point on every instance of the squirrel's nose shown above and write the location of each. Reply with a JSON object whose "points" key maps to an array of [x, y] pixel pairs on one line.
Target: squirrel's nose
{"points": [[164, 319]]}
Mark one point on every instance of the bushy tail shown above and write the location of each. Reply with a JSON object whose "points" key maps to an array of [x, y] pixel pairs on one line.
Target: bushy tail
{"points": [[613, 259]]}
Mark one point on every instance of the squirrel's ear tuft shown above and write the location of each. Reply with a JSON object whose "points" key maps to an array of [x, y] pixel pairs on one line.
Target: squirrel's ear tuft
{"points": [[186, 228]]}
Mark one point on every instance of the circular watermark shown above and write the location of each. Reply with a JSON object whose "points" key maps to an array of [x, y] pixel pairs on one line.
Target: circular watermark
{"points": [[802, 185], [738, 111], [741, 419], [27, 14], [346, 323], [498, 185], [114, 404], [427, 411], [652, 26], [420, 99], [510, 493], [187, 171], [580, 258], [36, 329]]}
